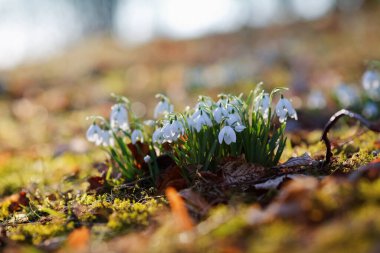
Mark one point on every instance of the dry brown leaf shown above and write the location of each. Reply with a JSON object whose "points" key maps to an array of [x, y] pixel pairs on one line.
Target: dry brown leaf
{"points": [[18, 201], [78, 240], [195, 201], [303, 160], [171, 177], [179, 210], [238, 171]]}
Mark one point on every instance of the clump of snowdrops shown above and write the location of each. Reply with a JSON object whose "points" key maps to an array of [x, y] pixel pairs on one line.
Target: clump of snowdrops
{"points": [[231, 126]]}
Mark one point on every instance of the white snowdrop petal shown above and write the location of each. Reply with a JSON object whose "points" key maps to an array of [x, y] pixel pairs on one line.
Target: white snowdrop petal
{"points": [[137, 135], [221, 135], [239, 128]]}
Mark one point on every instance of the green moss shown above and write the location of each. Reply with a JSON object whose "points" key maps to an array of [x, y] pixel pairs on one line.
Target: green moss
{"points": [[129, 214], [276, 237], [36, 233], [4, 212]]}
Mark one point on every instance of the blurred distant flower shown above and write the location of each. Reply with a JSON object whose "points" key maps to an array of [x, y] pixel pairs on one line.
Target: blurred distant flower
{"points": [[285, 109], [106, 138], [119, 117], [203, 101], [227, 134], [147, 159], [347, 95], [163, 107], [371, 84], [137, 135], [316, 100], [94, 133], [370, 110]]}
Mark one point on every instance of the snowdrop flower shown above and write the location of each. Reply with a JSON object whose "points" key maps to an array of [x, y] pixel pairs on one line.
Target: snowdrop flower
{"points": [[219, 113], [227, 134], [316, 100], [236, 102], [203, 101], [347, 95], [147, 158], [157, 136], [262, 104], [233, 118], [177, 129], [94, 133], [106, 139], [222, 101], [172, 131], [239, 128], [370, 110], [119, 117], [371, 84], [167, 132], [137, 135], [231, 108], [285, 109], [201, 120], [163, 107]]}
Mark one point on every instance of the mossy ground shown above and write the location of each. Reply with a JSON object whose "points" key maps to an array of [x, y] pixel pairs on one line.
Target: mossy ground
{"points": [[44, 155], [338, 215]]}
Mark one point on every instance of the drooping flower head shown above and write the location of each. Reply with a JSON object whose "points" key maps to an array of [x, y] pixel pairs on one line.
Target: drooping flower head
{"points": [[199, 119], [163, 107], [285, 109], [157, 136], [347, 95], [227, 134], [371, 84], [233, 117], [204, 101], [316, 100], [262, 104], [177, 129], [220, 112], [107, 139], [137, 135], [94, 133], [119, 117], [370, 110]]}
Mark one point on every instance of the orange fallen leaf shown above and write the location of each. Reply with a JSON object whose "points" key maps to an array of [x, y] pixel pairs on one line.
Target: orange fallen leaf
{"points": [[179, 210], [79, 239]]}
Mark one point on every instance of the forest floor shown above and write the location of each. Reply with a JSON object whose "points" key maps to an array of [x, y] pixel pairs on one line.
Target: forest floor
{"points": [[54, 196]]}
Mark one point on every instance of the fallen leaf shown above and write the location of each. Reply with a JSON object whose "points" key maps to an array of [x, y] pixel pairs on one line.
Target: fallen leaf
{"points": [[300, 161], [179, 211], [171, 177], [18, 201], [238, 172], [195, 202], [78, 239], [274, 183], [96, 183], [139, 151]]}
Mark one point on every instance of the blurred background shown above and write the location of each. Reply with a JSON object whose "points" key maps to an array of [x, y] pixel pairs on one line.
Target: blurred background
{"points": [[60, 60]]}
